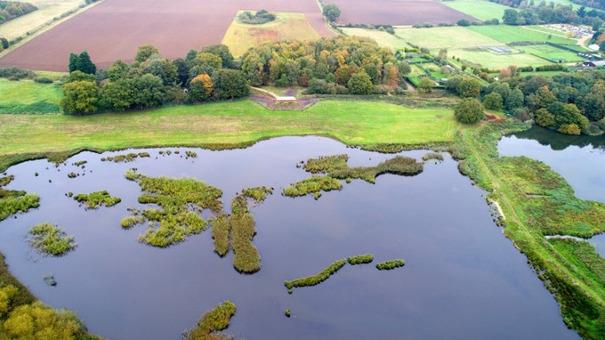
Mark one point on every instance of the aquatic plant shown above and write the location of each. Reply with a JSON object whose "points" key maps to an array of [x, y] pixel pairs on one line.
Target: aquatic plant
{"points": [[13, 201], [221, 228], [337, 167], [79, 163], [315, 279], [246, 258], [287, 313], [191, 154], [97, 199], [49, 239], [72, 175], [258, 194], [215, 320], [129, 157], [390, 264], [432, 156], [180, 201], [130, 221], [360, 259], [313, 185]]}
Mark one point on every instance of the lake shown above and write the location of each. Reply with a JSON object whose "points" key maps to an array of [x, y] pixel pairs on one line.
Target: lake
{"points": [[463, 279]]}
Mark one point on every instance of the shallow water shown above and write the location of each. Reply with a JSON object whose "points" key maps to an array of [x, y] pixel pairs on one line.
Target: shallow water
{"points": [[463, 279]]}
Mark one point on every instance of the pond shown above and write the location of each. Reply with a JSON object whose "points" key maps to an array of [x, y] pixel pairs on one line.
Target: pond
{"points": [[462, 279], [579, 159]]}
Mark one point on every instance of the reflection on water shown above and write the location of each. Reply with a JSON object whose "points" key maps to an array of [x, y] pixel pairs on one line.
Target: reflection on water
{"points": [[463, 279]]}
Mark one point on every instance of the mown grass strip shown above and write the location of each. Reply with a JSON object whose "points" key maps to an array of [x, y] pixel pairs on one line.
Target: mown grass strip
{"points": [[315, 279], [214, 321]]}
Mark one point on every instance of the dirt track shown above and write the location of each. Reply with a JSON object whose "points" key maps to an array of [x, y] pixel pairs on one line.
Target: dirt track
{"points": [[396, 12], [114, 29]]}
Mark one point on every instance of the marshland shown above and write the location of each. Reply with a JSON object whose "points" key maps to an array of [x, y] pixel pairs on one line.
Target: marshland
{"points": [[436, 220]]}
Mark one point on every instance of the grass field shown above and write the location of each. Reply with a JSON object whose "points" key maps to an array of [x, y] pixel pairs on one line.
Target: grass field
{"points": [[47, 10], [497, 61], [288, 26], [508, 34], [480, 9], [381, 37], [445, 37], [27, 96], [551, 53], [351, 121]]}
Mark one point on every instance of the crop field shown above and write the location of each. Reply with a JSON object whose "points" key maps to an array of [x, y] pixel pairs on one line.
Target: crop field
{"points": [[27, 96], [480, 9], [120, 26], [288, 26], [494, 47], [397, 12], [47, 10]]}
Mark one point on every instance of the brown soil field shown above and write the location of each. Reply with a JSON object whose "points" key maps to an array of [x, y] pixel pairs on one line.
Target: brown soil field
{"points": [[114, 29], [396, 12]]}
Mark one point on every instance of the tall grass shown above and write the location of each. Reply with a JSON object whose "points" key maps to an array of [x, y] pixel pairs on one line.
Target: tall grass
{"points": [[129, 157]]}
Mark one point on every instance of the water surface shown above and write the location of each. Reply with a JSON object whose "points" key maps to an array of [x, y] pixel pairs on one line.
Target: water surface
{"points": [[463, 279]]}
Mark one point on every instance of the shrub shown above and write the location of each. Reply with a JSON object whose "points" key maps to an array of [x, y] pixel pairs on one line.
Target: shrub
{"points": [[545, 118], [493, 101], [360, 83], [469, 111], [570, 129], [14, 73], [463, 22], [260, 17], [43, 80], [80, 97]]}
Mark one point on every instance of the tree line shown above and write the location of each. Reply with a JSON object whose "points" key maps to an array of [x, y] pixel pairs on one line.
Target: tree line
{"points": [[13, 9], [151, 81], [327, 66], [530, 13]]}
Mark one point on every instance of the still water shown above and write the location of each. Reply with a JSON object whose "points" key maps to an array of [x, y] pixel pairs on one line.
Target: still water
{"points": [[462, 280], [579, 159]]}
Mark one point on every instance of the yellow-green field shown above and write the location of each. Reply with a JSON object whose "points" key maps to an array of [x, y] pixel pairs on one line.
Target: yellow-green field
{"points": [[27, 96], [288, 26], [47, 10], [480, 9], [381, 37]]}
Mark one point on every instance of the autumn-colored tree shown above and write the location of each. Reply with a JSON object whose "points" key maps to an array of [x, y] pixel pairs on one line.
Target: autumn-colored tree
{"points": [[201, 88]]}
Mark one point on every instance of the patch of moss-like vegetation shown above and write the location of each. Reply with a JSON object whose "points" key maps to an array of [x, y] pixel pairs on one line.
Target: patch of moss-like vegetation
{"points": [[130, 221], [190, 154], [129, 157], [97, 199], [314, 186], [49, 239], [181, 202], [258, 194], [337, 167], [360, 259], [390, 264], [79, 163], [315, 279], [221, 229], [214, 321], [432, 156], [13, 201]]}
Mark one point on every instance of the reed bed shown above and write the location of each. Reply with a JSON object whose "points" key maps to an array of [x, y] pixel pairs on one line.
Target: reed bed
{"points": [[125, 158], [314, 186], [214, 321], [390, 264], [50, 240], [315, 279], [97, 199], [360, 259]]}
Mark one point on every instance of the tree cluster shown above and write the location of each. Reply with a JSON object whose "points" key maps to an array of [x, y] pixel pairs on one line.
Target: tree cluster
{"points": [[81, 62], [571, 103], [331, 12], [338, 65], [151, 81], [528, 13], [13, 9], [258, 18]]}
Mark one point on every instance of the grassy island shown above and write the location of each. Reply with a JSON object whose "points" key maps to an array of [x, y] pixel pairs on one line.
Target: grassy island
{"points": [[214, 321], [50, 240], [97, 199]]}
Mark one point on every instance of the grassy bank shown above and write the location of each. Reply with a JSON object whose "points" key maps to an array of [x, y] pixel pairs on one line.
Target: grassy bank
{"points": [[537, 202], [219, 124], [27, 96]]}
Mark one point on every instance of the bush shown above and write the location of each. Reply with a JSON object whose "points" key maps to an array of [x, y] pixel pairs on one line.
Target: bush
{"points": [[258, 18], [43, 80], [570, 129], [80, 97], [16, 73], [493, 101], [463, 22], [469, 111], [360, 83]]}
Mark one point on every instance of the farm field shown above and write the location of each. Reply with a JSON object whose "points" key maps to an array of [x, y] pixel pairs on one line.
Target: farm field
{"points": [[47, 10], [551, 53], [445, 37], [397, 12], [288, 26], [508, 34], [120, 26], [480, 9], [381, 37], [27, 96]]}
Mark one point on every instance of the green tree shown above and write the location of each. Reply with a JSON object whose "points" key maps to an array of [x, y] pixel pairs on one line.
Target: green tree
{"points": [[229, 84], [85, 64], [469, 87], [469, 111], [514, 100], [80, 97], [493, 101], [223, 52], [360, 83], [118, 70], [4, 43], [331, 12], [145, 52], [511, 17], [545, 118], [252, 67], [149, 91], [80, 76], [426, 85], [209, 60], [118, 95], [201, 88]]}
